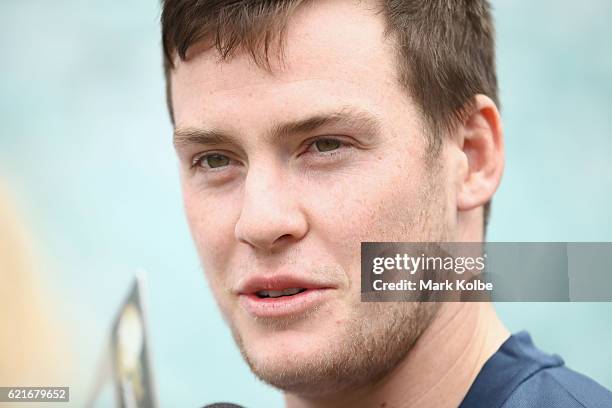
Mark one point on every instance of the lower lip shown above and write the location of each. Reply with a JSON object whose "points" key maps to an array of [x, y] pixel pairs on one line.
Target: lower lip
{"points": [[283, 306]]}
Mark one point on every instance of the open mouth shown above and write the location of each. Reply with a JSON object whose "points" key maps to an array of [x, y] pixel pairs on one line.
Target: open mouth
{"points": [[282, 295], [263, 294]]}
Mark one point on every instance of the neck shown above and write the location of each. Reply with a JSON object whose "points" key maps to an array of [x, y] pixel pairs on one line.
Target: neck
{"points": [[439, 369]]}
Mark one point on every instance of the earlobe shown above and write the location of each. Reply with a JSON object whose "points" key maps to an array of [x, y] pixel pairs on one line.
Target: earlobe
{"points": [[482, 145]]}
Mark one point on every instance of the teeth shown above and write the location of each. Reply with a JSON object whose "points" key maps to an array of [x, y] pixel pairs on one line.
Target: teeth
{"points": [[279, 293], [275, 293], [292, 291]]}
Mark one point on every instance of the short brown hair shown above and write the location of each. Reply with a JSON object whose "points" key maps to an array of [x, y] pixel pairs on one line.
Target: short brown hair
{"points": [[446, 48]]}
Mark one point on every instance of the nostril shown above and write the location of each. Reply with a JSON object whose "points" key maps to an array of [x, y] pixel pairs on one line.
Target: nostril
{"points": [[283, 238]]}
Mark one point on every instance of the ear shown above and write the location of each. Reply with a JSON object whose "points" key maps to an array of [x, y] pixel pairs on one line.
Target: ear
{"points": [[482, 145]]}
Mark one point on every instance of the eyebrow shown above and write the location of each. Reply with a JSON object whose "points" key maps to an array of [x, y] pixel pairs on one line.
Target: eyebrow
{"points": [[360, 120], [191, 136]]}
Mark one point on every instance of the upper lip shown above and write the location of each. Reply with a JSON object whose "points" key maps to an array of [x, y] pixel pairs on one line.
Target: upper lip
{"points": [[254, 284]]}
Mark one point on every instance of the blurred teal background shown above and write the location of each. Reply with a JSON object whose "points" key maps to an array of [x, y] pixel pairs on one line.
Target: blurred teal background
{"points": [[85, 152]]}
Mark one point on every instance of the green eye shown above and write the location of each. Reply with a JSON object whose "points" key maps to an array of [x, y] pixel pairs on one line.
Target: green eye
{"points": [[216, 160], [326, 145]]}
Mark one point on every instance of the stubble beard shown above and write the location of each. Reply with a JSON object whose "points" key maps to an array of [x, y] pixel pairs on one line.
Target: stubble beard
{"points": [[376, 336], [374, 340]]}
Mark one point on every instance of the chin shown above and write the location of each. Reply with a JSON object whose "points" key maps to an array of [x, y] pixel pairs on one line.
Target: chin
{"points": [[270, 345], [293, 368], [301, 360], [331, 351]]}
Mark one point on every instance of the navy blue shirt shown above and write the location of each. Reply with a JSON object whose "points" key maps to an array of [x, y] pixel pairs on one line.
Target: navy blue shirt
{"points": [[519, 375]]}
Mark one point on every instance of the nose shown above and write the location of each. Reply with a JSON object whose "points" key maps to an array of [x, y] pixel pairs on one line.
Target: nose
{"points": [[271, 216]]}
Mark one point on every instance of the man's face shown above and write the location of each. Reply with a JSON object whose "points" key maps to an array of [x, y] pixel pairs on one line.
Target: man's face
{"points": [[285, 175]]}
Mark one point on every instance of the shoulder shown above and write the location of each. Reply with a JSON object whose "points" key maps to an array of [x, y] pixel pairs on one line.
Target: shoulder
{"points": [[559, 387], [519, 375]]}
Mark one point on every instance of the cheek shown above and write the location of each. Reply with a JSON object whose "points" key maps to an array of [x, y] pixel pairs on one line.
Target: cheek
{"points": [[213, 237], [382, 205], [378, 205], [211, 226]]}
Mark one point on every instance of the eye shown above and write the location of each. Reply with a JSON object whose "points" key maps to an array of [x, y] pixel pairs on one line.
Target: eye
{"points": [[217, 160], [327, 145], [212, 161], [326, 148]]}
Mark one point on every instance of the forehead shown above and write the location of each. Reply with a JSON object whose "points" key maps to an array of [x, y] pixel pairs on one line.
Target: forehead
{"points": [[334, 54]]}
